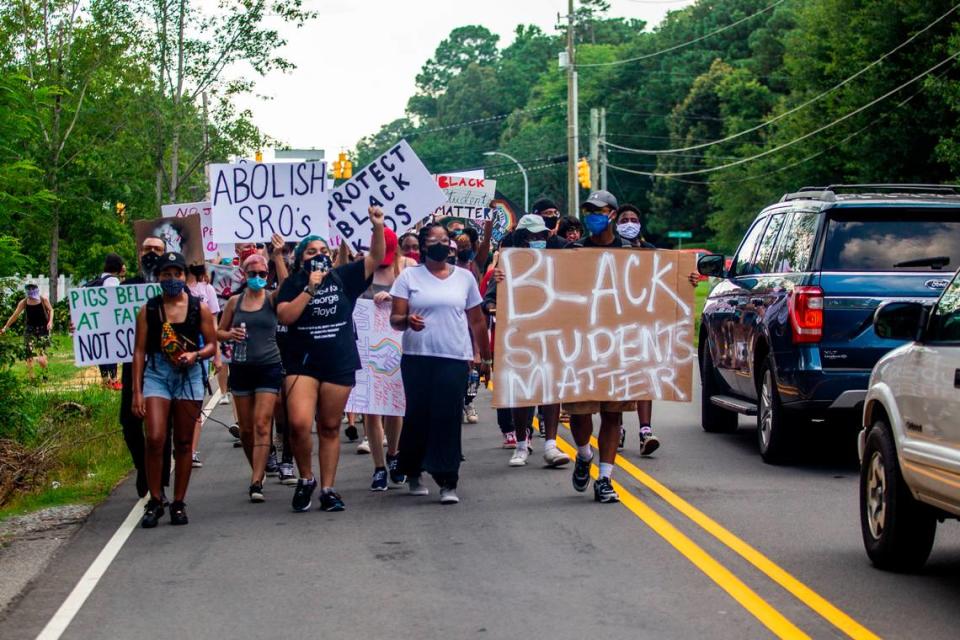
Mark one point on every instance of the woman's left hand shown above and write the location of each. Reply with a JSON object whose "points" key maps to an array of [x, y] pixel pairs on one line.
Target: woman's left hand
{"points": [[277, 242], [382, 297], [694, 278], [188, 359]]}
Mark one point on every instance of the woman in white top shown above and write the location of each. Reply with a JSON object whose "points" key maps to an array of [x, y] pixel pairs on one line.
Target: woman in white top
{"points": [[432, 304]]}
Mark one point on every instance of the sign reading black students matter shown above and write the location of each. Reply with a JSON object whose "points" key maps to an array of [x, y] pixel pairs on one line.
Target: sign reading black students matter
{"points": [[398, 183], [105, 321], [253, 201]]}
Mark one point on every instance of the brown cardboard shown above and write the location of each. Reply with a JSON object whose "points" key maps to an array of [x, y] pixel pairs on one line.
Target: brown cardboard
{"points": [[562, 338], [183, 235]]}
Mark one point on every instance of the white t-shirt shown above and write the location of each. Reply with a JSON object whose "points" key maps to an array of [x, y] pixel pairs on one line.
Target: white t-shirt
{"points": [[443, 304], [110, 280], [207, 295]]}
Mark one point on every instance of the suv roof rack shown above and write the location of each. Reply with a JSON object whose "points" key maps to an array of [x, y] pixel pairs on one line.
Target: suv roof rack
{"points": [[829, 193], [810, 193]]}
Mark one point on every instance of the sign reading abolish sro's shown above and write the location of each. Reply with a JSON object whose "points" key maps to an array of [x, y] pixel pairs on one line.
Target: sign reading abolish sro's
{"points": [[467, 197], [593, 325], [253, 201], [105, 321], [398, 183]]}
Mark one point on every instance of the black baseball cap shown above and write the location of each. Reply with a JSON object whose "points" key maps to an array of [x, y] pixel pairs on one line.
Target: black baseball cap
{"points": [[170, 259], [599, 200]]}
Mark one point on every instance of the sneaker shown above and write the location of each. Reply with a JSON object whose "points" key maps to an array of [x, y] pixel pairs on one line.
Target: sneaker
{"points": [[623, 438], [393, 466], [519, 458], [178, 513], [224, 399], [581, 474], [256, 492], [272, 467], [603, 491], [379, 480], [286, 474], [301, 497], [234, 430], [416, 488], [152, 513], [448, 496], [351, 432], [331, 501], [555, 458], [196, 462], [363, 447], [471, 413], [510, 440], [648, 442]]}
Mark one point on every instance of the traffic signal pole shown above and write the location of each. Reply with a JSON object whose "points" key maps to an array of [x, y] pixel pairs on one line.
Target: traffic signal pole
{"points": [[573, 151]]}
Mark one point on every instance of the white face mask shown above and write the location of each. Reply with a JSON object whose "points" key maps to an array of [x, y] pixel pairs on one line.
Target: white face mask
{"points": [[629, 230]]}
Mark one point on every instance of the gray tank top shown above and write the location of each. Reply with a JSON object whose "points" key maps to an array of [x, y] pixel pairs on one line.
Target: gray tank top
{"points": [[261, 331]]}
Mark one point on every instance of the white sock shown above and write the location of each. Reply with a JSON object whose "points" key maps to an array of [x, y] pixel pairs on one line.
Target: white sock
{"points": [[521, 445], [606, 469], [550, 444], [585, 452]]}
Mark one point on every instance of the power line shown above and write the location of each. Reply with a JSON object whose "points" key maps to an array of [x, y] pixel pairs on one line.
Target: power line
{"points": [[799, 107], [684, 44], [795, 140], [488, 120]]}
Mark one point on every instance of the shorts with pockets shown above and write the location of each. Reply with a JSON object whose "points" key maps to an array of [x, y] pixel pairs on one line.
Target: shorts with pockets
{"points": [[163, 380], [248, 379]]}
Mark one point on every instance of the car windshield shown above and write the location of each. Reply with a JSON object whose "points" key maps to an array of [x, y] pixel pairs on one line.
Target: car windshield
{"points": [[888, 239]]}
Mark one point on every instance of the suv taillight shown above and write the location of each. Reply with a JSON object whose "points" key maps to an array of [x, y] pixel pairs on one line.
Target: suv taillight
{"points": [[806, 314]]}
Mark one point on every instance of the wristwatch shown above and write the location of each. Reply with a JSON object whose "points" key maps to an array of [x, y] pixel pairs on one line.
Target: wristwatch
{"points": [[307, 290], [488, 361]]}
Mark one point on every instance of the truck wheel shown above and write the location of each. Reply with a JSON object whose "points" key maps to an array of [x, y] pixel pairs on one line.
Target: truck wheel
{"points": [[774, 435], [713, 419], [898, 530]]}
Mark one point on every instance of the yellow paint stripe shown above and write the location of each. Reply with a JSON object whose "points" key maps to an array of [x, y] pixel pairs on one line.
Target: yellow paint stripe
{"points": [[802, 592], [776, 622]]}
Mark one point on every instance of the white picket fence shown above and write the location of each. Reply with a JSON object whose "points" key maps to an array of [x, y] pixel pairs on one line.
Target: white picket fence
{"points": [[43, 282]]}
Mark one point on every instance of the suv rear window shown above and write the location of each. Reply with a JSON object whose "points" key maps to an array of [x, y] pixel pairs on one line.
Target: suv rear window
{"points": [[892, 239]]}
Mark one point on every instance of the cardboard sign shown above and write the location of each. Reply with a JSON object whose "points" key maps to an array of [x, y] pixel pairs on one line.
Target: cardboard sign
{"points": [[105, 321], [398, 183], [183, 235], [579, 325], [225, 280], [202, 209], [379, 388], [252, 201], [468, 197]]}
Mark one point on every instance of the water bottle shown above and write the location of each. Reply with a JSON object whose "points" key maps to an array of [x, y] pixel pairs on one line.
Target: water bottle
{"points": [[473, 383], [240, 346]]}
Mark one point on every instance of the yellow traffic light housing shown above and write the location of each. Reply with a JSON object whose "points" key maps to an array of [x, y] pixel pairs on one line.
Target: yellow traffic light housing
{"points": [[258, 156], [347, 170], [583, 173]]}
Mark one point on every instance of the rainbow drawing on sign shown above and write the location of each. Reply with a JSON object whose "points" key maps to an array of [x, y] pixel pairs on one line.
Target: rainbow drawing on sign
{"points": [[385, 357]]}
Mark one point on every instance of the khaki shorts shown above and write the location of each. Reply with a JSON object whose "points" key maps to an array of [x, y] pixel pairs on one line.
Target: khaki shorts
{"points": [[590, 408]]}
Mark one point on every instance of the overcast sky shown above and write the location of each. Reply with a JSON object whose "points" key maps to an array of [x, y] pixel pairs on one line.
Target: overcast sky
{"points": [[357, 62]]}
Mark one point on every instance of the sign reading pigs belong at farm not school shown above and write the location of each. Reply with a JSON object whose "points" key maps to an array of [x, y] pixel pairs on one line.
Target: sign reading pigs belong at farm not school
{"points": [[398, 183], [105, 321], [594, 325], [253, 201]]}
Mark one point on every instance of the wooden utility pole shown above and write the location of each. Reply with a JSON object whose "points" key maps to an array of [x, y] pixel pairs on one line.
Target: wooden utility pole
{"points": [[573, 151]]}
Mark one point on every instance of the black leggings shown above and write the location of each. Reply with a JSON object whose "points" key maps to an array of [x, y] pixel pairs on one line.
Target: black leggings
{"points": [[430, 439], [133, 429]]}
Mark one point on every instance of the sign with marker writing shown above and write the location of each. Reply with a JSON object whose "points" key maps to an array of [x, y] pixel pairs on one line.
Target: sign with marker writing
{"points": [[398, 183], [182, 234], [379, 388], [252, 201], [105, 321], [581, 325], [202, 209], [467, 197]]}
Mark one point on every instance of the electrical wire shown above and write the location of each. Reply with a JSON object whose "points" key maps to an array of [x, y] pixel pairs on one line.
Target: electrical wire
{"points": [[488, 120]]}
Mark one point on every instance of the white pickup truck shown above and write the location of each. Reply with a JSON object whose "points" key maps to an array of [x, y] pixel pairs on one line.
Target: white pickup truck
{"points": [[910, 443]]}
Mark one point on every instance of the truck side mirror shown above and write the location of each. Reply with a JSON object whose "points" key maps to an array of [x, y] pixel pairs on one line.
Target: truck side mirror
{"points": [[711, 265]]}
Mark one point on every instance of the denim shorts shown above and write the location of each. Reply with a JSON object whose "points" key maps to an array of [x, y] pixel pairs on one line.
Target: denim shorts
{"points": [[162, 380], [248, 379]]}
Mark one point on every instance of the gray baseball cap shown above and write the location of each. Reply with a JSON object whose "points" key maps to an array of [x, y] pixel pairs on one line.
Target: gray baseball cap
{"points": [[532, 223], [600, 199]]}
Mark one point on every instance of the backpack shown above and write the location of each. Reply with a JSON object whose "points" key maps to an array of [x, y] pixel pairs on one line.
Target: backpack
{"points": [[98, 281]]}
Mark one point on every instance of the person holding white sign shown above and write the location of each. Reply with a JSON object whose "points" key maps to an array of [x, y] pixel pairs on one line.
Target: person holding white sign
{"points": [[316, 302]]}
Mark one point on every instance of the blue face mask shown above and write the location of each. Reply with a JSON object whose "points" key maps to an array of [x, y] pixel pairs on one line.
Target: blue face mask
{"points": [[537, 244], [256, 283], [172, 287], [596, 222]]}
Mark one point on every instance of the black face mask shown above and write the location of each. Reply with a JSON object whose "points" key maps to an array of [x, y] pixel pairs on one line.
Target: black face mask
{"points": [[319, 262], [148, 262], [466, 255], [438, 252], [551, 222]]}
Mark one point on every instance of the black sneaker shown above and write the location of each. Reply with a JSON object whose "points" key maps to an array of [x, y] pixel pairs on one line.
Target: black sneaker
{"points": [[581, 474], [393, 466], [603, 491], [272, 467], [379, 482], [256, 492], [331, 501], [152, 513], [352, 434], [178, 513], [623, 438], [302, 494], [648, 442], [234, 430]]}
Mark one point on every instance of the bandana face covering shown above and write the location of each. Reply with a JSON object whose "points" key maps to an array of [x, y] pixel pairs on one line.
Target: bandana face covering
{"points": [[172, 287], [629, 230]]}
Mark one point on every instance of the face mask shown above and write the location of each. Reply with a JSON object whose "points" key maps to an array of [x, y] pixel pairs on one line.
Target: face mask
{"points": [[172, 287], [438, 252], [466, 255], [414, 255], [318, 262], [256, 283], [629, 230], [33, 294], [550, 222], [148, 262], [596, 222], [246, 253], [537, 244]]}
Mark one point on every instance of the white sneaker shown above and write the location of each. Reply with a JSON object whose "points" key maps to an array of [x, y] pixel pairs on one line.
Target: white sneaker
{"points": [[416, 488], [449, 496], [519, 458], [225, 398], [364, 446], [471, 415], [555, 458]]}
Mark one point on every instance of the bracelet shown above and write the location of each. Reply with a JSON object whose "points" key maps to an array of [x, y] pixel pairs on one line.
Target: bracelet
{"points": [[488, 361], [307, 291]]}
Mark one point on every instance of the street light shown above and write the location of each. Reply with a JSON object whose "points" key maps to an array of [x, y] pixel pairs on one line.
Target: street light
{"points": [[526, 183]]}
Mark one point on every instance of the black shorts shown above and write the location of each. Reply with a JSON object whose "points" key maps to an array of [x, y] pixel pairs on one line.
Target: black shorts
{"points": [[248, 379], [342, 378]]}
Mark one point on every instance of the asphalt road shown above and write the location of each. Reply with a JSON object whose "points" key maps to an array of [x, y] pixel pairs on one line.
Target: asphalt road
{"points": [[709, 542]]}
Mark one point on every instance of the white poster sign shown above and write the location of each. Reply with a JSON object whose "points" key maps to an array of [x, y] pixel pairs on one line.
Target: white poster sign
{"points": [[105, 321], [210, 248], [379, 389], [250, 202], [468, 197]]}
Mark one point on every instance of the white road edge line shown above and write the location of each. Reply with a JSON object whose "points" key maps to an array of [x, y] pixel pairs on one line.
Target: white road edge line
{"points": [[71, 606]]}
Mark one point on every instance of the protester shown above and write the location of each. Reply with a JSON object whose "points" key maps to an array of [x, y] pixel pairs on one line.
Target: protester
{"points": [[570, 229], [410, 246], [550, 219], [113, 270], [37, 328], [433, 304], [200, 287], [167, 380], [324, 357]]}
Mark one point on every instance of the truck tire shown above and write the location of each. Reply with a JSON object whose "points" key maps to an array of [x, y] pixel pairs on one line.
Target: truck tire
{"points": [[713, 419], [774, 435]]}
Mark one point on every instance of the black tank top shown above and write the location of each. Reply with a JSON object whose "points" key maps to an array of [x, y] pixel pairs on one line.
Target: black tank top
{"points": [[36, 316], [189, 328]]}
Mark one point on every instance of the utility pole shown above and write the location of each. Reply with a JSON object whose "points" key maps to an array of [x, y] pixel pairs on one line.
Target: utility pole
{"points": [[595, 147], [602, 144], [573, 151]]}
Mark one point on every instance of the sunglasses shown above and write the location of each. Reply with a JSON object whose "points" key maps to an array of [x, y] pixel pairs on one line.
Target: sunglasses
{"points": [[259, 245], [257, 274]]}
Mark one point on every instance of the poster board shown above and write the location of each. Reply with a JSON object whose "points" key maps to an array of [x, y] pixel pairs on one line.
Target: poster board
{"points": [[252, 201], [105, 321], [468, 197], [183, 235], [379, 388], [225, 280], [578, 325], [202, 209]]}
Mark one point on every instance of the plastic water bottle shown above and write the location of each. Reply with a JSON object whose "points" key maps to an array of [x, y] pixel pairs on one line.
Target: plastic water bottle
{"points": [[473, 383], [240, 346]]}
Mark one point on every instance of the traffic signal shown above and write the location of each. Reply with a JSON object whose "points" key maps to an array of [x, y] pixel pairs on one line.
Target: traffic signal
{"points": [[258, 156], [122, 212], [583, 173], [342, 167]]}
